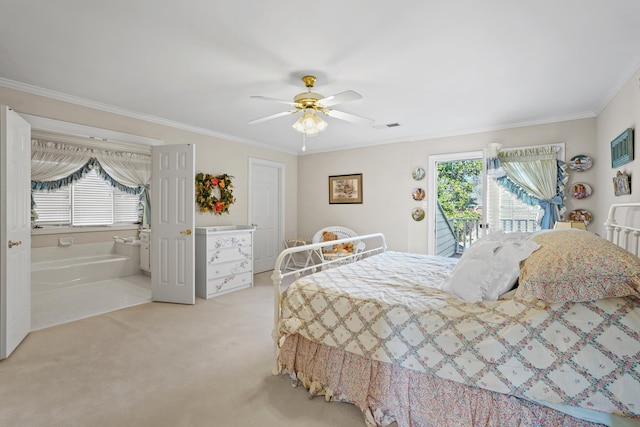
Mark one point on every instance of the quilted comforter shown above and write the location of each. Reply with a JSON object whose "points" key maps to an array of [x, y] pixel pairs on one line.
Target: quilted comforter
{"points": [[388, 308]]}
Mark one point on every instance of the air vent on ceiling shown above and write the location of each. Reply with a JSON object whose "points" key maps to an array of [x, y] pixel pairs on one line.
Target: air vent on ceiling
{"points": [[388, 125]]}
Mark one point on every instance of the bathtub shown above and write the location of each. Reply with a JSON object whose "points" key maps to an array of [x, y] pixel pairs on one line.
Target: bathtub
{"points": [[62, 266]]}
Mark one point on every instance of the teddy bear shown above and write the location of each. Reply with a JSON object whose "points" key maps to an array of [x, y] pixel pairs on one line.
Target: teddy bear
{"points": [[328, 236]]}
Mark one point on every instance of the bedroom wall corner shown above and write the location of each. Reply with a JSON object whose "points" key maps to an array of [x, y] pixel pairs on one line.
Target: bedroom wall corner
{"points": [[386, 188], [622, 112]]}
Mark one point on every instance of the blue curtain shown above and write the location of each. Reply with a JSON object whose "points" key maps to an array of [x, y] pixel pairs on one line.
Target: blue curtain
{"points": [[94, 164], [535, 176]]}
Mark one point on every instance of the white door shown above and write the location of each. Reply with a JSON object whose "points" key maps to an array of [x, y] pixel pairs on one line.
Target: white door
{"points": [[266, 180], [15, 245], [172, 221]]}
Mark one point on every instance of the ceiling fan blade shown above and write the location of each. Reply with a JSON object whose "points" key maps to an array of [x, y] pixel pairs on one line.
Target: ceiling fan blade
{"points": [[339, 98], [348, 117], [280, 101], [273, 116]]}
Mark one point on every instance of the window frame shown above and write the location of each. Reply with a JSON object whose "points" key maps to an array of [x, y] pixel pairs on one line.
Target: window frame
{"points": [[75, 190]]}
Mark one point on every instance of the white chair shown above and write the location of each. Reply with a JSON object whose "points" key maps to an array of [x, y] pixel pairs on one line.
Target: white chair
{"points": [[342, 233]]}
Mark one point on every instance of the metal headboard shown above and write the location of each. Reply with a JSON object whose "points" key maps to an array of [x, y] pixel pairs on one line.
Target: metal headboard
{"points": [[623, 226]]}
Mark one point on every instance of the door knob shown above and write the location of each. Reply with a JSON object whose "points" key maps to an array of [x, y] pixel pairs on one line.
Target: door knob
{"points": [[187, 232], [12, 244]]}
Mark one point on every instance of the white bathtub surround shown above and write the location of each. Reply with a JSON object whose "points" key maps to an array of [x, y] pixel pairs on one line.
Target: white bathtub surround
{"points": [[63, 305], [65, 241], [61, 266], [78, 281], [120, 239]]}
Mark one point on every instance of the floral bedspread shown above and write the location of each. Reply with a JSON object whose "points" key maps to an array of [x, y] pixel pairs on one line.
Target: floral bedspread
{"points": [[388, 308]]}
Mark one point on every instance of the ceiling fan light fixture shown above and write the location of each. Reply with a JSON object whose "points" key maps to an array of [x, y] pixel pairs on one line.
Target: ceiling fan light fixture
{"points": [[310, 124]]}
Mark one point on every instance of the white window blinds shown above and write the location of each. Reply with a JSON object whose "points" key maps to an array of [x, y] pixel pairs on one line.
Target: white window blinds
{"points": [[90, 201]]}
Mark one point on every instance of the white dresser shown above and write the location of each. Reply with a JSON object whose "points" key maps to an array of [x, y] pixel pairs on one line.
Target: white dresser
{"points": [[224, 259]]}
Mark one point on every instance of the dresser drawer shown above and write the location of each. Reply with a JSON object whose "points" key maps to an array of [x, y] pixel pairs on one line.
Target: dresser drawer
{"points": [[225, 284], [223, 260], [216, 269], [229, 240], [219, 256]]}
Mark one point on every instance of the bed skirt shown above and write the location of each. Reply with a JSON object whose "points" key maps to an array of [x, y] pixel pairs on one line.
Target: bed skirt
{"points": [[386, 393]]}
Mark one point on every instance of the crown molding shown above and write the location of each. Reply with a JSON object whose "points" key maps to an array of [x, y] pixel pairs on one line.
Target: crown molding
{"points": [[633, 68], [35, 90]]}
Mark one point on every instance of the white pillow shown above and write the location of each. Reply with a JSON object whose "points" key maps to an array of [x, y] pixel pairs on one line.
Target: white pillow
{"points": [[490, 267]]}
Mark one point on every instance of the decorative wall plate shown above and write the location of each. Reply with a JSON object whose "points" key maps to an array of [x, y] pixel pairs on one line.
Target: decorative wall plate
{"points": [[418, 214], [418, 194], [418, 174], [580, 163], [580, 215], [580, 190]]}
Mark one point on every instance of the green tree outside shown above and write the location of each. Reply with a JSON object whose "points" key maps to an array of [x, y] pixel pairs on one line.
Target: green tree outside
{"points": [[458, 182]]}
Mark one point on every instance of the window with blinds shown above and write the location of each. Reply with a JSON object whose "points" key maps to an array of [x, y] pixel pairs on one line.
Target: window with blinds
{"points": [[90, 201], [508, 213]]}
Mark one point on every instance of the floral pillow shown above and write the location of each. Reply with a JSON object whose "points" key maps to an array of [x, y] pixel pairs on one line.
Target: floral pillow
{"points": [[490, 267], [576, 265]]}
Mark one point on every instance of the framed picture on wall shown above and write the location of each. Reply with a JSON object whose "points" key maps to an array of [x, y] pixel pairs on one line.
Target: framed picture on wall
{"points": [[345, 189], [621, 184], [622, 148]]}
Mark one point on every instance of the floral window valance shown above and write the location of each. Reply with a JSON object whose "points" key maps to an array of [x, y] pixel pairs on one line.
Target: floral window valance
{"points": [[534, 175], [55, 165]]}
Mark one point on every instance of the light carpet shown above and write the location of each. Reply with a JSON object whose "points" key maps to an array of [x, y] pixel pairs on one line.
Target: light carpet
{"points": [[159, 364]]}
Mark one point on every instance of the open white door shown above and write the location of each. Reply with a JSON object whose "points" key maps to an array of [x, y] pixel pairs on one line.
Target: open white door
{"points": [[172, 221], [15, 244]]}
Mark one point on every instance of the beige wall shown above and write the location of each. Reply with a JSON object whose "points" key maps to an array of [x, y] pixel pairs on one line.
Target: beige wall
{"points": [[386, 169], [387, 181], [622, 112], [213, 155], [387, 172]]}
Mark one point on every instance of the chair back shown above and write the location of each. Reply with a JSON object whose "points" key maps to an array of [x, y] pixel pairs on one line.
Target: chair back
{"points": [[342, 233]]}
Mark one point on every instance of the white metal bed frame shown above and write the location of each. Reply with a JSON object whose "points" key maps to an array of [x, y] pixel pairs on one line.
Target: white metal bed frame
{"points": [[618, 233], [375, 244], [617, 225]]}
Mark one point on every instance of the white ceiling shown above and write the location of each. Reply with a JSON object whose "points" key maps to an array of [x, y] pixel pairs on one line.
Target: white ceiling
{"points": [[436, 67]]}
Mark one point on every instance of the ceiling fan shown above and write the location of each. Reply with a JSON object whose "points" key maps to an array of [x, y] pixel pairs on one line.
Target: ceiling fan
{"points": [[311, 102]]}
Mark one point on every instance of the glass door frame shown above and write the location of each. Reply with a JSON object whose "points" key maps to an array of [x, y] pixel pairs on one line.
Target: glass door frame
{"points": [[432, 191]]}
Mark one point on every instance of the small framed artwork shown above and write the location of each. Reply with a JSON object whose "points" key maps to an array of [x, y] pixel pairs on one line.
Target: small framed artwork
{"points": [[622, 149], [418, 194], [345, 189], [581, 190], [621, 184], [580, 163]]}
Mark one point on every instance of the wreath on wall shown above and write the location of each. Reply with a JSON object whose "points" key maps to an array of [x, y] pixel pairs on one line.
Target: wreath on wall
{"points": [[214, 193]]}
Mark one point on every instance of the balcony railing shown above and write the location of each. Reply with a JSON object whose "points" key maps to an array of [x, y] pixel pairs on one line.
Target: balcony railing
{"points": [[468, 230]]}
